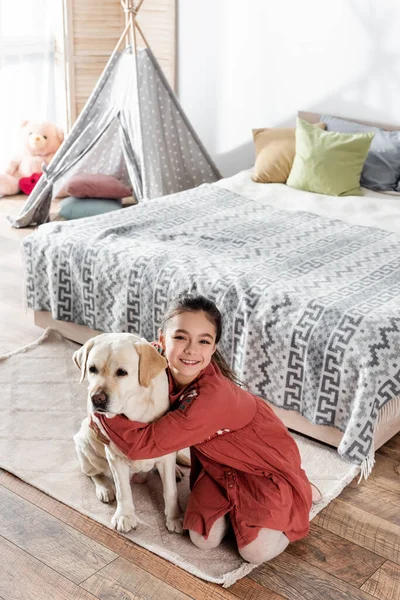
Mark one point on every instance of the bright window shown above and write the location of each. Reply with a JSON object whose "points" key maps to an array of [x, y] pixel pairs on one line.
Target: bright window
{"points": [[26, 67]]}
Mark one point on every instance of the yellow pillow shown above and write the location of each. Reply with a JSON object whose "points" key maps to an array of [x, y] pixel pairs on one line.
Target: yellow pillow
{"points": [[275, 152]]}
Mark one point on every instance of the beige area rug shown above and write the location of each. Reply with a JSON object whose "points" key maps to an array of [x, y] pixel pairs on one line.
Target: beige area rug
{"points": [[42, 406]]}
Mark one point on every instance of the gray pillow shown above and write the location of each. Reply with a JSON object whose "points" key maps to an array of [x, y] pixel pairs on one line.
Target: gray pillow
{"points": [[79, 208], [381, 169]]}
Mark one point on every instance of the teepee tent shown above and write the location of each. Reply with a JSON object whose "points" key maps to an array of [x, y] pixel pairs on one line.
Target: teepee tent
{"points": [[132, 127]]}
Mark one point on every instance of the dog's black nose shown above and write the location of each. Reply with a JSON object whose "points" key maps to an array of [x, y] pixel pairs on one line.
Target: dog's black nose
{"points": [[99, 400]]}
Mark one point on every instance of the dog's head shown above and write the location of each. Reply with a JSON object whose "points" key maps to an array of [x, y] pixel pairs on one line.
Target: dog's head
{"points": [[120, 368]]}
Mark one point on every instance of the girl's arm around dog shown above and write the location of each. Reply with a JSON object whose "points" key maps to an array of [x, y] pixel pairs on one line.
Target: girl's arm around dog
{"points": [[209, 405]]}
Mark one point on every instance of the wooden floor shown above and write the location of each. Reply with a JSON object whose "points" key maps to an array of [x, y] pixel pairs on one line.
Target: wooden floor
{"points": [[48, 551]]}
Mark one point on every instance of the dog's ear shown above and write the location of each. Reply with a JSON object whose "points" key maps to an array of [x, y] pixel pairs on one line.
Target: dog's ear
{"points": [[80, 357], [151, 363]]}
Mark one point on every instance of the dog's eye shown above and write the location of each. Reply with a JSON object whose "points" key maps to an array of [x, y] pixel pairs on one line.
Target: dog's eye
{"points": [[121, 373], [92, 369]]}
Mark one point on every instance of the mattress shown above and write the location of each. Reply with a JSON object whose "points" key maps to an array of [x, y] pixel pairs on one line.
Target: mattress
{"points": [[373, 209]]}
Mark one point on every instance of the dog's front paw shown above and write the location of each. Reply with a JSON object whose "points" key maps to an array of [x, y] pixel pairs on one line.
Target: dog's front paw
{"points": [[105, 493], [124, 523], [175, 525]]}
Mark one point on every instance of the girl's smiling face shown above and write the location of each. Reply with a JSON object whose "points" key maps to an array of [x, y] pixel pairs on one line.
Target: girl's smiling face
{"points": [[189, 343]]}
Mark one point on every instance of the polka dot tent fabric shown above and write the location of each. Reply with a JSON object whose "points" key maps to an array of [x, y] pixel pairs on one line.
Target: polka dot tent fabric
{"points": [[132, 127]]}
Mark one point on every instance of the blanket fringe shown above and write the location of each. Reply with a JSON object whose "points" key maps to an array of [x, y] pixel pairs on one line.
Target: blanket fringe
{"points": [[389, 412], [367, 465]]}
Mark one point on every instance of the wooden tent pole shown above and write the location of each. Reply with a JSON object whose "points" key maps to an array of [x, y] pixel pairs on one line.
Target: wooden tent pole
{"points": [[139, 5], [132, 19], [121, 39], [131, 16], [124, 7], [130, 12], [141, 33]]}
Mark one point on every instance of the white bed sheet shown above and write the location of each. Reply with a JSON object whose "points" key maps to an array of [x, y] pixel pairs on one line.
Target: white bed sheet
{"points": [[373, 209]]}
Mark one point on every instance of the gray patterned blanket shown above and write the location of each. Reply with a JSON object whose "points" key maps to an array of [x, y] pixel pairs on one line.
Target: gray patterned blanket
{"points": [[311, 305]]}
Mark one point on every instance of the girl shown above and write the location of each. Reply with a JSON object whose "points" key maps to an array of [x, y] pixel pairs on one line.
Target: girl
{"points": [[246, 468]]}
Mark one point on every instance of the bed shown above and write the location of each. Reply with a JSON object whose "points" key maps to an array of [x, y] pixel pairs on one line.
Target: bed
{"points": [[310, 297]]}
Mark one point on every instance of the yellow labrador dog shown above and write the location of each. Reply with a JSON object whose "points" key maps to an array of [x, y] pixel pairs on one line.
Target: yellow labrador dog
{"points": [[127, 376]]}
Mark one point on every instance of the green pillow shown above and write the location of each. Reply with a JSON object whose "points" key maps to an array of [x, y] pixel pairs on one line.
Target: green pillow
{"points": [[327, 162], [78, 208]]}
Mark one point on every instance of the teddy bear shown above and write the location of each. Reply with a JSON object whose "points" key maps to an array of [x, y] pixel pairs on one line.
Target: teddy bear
{"points": [[38, 143]]}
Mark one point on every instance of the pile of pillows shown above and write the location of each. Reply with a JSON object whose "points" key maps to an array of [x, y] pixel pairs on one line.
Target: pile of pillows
{"points": [[332, 157], [90, 194]]}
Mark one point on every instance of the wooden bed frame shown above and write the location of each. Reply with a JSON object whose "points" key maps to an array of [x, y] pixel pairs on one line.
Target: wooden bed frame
{"points": [[292, 420]]}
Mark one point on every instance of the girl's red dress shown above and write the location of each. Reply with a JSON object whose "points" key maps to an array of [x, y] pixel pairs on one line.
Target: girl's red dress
{"points": [[244, 461]]}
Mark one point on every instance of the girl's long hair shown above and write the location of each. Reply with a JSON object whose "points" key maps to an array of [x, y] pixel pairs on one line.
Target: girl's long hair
{"points": [[191, 303]]}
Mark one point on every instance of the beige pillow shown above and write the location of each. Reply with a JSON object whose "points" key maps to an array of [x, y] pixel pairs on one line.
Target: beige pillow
{"points": [[275, 151]]}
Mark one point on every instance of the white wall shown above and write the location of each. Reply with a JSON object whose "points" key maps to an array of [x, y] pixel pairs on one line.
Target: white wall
{"points": [[255, 63]]}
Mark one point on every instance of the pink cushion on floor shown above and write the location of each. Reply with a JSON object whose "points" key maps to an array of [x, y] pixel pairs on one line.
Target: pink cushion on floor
{"points": [[88, 185]]}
